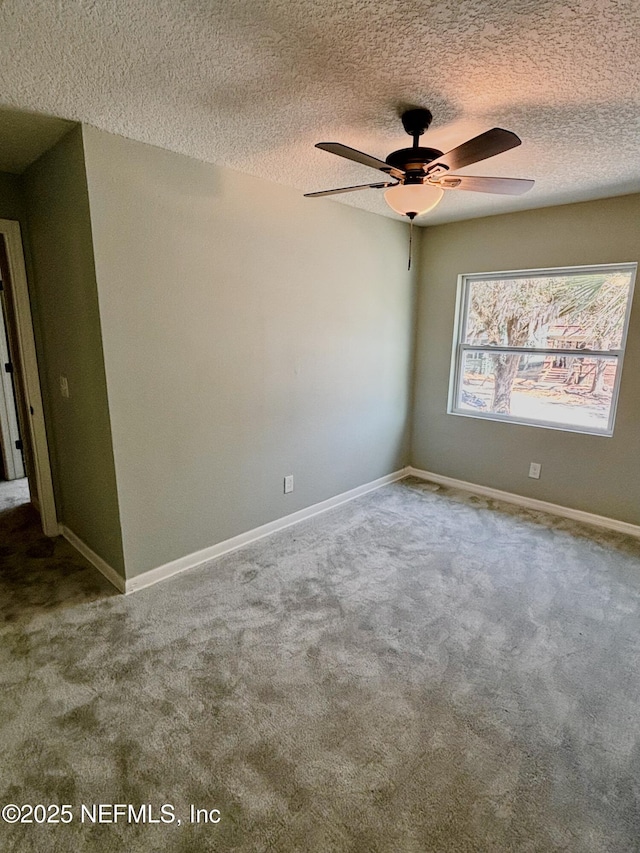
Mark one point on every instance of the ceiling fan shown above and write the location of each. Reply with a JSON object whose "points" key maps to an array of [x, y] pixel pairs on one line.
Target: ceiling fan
{"points": [[422, 174]]}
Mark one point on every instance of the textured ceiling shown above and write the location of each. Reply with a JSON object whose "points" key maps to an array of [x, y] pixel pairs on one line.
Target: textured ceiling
{"points": [[253, 85]]}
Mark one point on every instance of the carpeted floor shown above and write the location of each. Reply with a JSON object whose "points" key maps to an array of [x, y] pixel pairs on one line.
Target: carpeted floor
{"points": [[418, 670]]}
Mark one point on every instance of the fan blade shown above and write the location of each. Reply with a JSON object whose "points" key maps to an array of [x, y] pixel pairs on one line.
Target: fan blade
{"points": [[507, 186], [488, 144], [351, 189], [360, 157]]}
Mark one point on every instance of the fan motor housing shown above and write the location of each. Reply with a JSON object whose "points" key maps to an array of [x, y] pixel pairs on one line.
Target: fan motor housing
{"points": [[413, 160]]}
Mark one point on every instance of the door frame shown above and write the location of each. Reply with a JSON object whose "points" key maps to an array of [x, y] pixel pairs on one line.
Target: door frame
{"points": [[28, 377]]}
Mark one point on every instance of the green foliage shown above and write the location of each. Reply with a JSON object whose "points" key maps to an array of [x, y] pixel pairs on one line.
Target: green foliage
{"points": [[518, 312], [597, 304]]}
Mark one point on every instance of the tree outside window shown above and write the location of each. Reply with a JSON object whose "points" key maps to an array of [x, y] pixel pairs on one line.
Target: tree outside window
{"points": [[543, 347]]}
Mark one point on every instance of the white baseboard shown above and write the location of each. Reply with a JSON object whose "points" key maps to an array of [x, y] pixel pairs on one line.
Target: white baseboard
{"points": [[104, 568], [529, 503], [190, 561]]}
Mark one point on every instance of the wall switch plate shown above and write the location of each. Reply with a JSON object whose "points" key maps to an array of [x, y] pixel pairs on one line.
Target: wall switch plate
{"points": [[534, 470], [288, 484], [64, 386]]}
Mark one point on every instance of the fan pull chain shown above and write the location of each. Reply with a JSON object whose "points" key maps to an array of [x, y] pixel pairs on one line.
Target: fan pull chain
{"points": [[411, 216]]}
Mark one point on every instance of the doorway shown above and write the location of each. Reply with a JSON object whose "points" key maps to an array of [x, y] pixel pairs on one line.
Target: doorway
{"points": [[11, 458], [22, 397]]}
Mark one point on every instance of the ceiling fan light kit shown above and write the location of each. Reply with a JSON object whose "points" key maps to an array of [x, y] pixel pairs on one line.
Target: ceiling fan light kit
{"points": [[413, 199], [420, 175]]}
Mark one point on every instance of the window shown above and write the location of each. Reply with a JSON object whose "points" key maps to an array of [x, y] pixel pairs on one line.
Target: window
{"points": [[542, 347]]}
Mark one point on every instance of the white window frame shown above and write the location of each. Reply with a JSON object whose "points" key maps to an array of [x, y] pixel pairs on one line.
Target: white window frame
{"points": [[459, 347]]}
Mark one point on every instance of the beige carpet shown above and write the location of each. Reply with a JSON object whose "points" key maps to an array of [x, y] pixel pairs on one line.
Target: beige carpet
{"points": [[418, 670]]}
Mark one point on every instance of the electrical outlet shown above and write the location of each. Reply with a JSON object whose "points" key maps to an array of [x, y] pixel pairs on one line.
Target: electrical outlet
{"points": [[534, 470], [64, 386], [288, 484]]}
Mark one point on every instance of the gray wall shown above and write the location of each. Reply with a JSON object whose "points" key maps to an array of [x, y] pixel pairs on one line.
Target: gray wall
{"points": [[63, 288], [592, 473], [11, 198], [248, 333], [13, 206]]}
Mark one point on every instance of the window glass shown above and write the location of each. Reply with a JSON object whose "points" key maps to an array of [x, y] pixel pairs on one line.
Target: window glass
{"points": [[543, 348]]}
